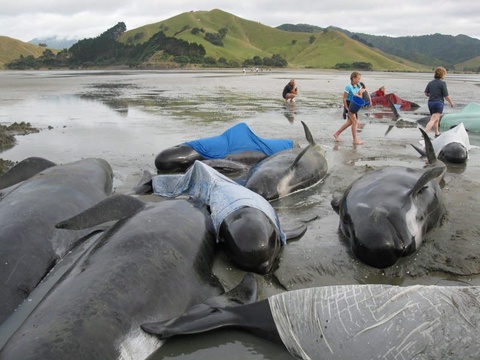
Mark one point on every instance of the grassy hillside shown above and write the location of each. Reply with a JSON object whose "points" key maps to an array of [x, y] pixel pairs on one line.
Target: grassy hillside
{"points": [[246, 39], [470, 65], [11, 49]]}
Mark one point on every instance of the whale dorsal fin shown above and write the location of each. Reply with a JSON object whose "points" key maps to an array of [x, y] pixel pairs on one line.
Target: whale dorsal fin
{"points": [[308, 134], [428, 175], [396, 115], [429, 150], [299, 156], [115, 207]]}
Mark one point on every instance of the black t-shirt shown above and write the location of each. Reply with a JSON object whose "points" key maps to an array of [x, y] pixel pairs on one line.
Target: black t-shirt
{"points": [[437, 89]]}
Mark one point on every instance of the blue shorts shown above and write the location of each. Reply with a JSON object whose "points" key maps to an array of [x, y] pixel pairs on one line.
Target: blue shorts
{"points": [[435, 107]]}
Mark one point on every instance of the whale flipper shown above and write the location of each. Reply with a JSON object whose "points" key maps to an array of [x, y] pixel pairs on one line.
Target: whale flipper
{"points": [[295, 233], [115, 207], [24, 170], [420, 151], [144, 186]]}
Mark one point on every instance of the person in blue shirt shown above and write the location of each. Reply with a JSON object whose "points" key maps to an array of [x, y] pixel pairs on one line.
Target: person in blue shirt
{"points": [[437, 91], [352, 89]]}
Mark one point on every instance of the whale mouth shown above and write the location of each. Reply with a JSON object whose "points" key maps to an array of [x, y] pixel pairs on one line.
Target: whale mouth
{"points": [[264, 267], [383, 245]]}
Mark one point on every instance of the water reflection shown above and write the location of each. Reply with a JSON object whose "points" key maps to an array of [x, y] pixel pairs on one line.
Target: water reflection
{"points": [[290, 112], [219, 345]]}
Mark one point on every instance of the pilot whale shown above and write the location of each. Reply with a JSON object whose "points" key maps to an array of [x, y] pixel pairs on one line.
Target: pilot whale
{"points": [[238, 144], [352, 322], [155, 262], [451, 146], [246, 225], [289, 171], [37, 195], [385, 213]]}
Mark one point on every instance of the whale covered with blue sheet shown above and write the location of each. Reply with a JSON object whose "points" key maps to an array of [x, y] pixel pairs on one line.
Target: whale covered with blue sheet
{"points": [[238, 143], [237, 139]]}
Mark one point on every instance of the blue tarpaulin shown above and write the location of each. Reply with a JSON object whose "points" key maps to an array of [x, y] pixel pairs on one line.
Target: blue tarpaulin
{"points": [[238, 139]]}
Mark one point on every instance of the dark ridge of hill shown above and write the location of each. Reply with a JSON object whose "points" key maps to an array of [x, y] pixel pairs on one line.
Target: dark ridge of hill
{"points": [[435, 49], [300, 28]]}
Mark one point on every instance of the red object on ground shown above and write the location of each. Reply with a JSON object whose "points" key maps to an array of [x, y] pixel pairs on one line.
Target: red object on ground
{"points": [[384, 101]]}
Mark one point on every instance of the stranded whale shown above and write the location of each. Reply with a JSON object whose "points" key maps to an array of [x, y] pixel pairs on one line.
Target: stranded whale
{"points": [[30, 245], [386, 213], [288, 171], [239, 144], [245, 223], [153, 263], [451, 146]]}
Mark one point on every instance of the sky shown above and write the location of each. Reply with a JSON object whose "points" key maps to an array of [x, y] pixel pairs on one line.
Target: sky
{"points": [[73, 19]]}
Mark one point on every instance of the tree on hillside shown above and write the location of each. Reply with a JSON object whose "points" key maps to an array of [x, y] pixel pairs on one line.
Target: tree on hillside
{"points": [[104, 46], [215, 39], [274, 61], [222, 32], [114, 32]]}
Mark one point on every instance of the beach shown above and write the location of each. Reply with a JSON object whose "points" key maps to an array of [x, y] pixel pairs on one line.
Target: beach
{"points": [[127, 117]]}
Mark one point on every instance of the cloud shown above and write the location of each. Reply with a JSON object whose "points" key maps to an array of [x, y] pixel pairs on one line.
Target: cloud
{"points": [[26, 20]]}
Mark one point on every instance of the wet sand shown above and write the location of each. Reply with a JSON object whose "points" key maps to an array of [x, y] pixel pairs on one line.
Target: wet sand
{"points": [[128, 117]]}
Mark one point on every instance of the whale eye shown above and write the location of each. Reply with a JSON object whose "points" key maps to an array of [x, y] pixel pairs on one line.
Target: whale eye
{"points": [[422, 189]]}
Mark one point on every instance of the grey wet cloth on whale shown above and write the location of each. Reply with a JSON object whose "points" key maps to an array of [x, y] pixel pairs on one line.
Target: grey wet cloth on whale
{"points": [[223, 195], [379, 321], [457, 134]]}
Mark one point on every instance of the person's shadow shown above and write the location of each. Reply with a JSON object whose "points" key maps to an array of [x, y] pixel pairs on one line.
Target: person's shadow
{"points": [[290, 112]]}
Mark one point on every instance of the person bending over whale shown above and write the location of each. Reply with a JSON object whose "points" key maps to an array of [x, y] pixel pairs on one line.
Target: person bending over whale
{"points": [[290, 91]]}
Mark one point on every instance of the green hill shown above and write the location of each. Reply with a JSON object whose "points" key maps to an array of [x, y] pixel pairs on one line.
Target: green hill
{"points": [[470, 65], [246, 39], [11, 49]]}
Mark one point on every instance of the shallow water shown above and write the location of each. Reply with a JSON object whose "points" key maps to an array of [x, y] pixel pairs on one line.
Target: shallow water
{"points": [[127, 117]]}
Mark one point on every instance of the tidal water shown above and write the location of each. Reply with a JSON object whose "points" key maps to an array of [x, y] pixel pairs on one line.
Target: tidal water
{"points": [[127, 117]]}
